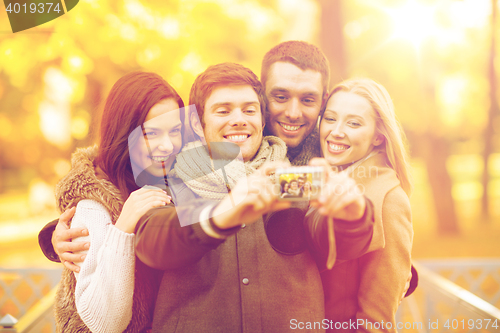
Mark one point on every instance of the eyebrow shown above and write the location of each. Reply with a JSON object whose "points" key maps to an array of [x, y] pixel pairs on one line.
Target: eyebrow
{"points": [[278, 89], [216, 105], [151, 128], [348, 115], [285, 90]]}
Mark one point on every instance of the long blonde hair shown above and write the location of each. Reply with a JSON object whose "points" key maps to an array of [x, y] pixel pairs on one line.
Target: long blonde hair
{"points": [[387, 124]]}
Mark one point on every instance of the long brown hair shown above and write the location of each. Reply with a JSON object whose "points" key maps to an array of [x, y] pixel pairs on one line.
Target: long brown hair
{"points": [[126, 108]]}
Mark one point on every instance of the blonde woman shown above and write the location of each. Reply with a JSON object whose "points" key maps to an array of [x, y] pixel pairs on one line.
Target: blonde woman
{"points": [[360, 135], [306, 190]]}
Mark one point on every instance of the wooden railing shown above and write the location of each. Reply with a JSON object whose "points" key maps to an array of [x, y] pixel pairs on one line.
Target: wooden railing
{"points": [[438, 305], [28, 294]]}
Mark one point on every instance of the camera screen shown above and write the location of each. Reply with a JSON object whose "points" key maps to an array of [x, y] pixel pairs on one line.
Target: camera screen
{"points": [[300, 183]]}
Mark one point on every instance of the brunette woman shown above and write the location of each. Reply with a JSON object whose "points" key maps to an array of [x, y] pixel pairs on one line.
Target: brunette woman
{"points": [[140, 135]]}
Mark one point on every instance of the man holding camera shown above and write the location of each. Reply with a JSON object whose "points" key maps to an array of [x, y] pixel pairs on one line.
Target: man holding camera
{"points": [[241, 269]]}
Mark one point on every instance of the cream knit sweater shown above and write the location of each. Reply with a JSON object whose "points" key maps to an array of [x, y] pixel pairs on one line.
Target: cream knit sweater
{"points": [[105, 285]]}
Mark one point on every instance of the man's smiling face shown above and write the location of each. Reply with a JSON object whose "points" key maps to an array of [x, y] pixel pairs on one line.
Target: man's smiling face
{"points": [[233, 114], [294, 99]]}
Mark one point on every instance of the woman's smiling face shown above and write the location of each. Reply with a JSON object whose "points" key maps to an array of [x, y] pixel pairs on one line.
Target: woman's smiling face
{"points": [[161, 139], [348, 129]]}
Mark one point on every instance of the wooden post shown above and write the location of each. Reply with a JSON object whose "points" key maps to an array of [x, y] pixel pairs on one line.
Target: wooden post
{"points": [[7, 324]]}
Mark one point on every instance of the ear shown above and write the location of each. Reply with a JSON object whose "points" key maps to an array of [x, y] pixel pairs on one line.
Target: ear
{"points": [[196, 125], [378, 139]]}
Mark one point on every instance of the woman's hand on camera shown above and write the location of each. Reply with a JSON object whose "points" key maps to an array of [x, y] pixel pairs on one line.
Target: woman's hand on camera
{"points": [[137, 204], [252, 197], [340, 197]]}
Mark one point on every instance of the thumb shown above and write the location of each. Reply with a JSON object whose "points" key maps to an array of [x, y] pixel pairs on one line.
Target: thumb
{"points": [[67, 215]]}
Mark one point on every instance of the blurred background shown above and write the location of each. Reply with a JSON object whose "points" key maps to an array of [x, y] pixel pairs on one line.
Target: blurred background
{"points": [[437, 59]]}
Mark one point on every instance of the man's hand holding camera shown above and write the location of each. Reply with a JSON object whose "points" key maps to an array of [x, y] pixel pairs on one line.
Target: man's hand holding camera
{"points": [[252, 197]]}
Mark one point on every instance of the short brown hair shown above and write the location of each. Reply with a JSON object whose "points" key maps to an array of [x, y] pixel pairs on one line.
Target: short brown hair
{"points": [[220, 75], [301, 54]]}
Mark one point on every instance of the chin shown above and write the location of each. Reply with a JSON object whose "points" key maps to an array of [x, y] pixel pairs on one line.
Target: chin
{"points": [[333, 161], [157, 173], [291, 142]]}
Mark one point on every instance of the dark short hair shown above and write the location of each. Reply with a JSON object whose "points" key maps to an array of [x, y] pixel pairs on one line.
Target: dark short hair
{"points": [[126, 108], [301, 54], [221, 75]]}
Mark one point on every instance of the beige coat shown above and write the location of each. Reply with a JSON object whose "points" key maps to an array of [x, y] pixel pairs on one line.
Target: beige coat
{"points": [[372, 286]]}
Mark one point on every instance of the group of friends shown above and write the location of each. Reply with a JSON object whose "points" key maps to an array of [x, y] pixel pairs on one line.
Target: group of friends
{"points": [[155, 237], [300, 187]]}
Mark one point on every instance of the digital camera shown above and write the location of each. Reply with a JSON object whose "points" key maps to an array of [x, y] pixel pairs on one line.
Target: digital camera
{"points": [[299, 183]]}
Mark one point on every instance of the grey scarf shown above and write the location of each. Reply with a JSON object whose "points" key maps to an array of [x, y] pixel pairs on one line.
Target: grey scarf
{"points": [[195, 167]]}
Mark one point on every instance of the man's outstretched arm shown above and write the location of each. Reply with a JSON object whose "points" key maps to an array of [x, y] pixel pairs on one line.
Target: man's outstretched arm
{"points": [[162, 243]]}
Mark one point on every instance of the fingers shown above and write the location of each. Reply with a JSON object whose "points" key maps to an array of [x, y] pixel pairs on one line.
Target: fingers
{"points": [[337, 204], [61, 239], [336, 186], [64, 247], [341, 198], [72, 257], [146, 190], [71, 266], [265, 196], [150, 194], [66, 217], [317, 161], [69, 234], [269, 167], [154, 204], [280, 205]]}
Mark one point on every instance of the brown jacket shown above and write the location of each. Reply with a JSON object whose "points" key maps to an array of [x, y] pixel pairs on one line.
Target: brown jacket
{"points": [[82, 183], [371, 287]]}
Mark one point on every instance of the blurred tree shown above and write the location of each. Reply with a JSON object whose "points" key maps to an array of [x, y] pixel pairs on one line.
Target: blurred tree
{"points": [[332, 38], [430, 57], [56, 77], [492, 116]]}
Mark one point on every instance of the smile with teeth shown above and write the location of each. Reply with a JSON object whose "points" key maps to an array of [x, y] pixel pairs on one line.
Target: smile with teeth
{"points": [[159, 159], [237, 138], [335, 147], [289, 127]]}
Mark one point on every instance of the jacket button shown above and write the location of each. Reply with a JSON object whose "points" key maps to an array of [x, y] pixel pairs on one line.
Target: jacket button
{"points": [[243, 225], [245, 281]]}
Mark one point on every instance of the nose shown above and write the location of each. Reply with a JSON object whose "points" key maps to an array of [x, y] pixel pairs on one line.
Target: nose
{"points": [[166, 145], [337, 130], [293, 111], [237, 118]]}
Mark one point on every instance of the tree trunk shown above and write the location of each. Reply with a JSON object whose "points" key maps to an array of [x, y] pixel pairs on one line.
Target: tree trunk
{"points": [[332, 38], [493, 111], [438, 150]]}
